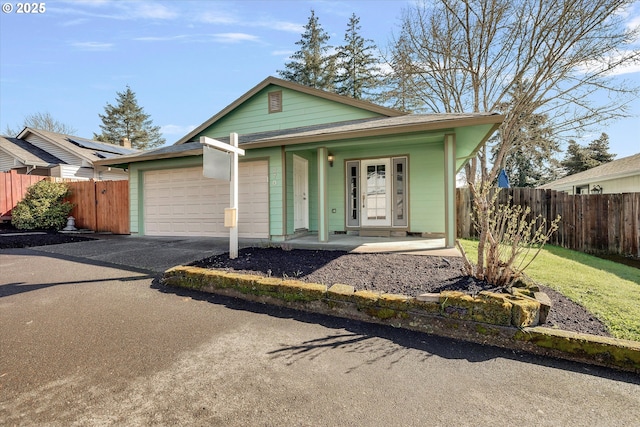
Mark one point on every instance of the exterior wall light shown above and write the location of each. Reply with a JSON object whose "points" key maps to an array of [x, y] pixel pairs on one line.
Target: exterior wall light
{"points": [[330, 158]]}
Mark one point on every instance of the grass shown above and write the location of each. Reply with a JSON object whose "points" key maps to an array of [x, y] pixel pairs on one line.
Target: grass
{"points": [[609, 290]]}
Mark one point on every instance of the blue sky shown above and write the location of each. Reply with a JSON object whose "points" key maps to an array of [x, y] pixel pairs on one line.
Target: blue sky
{"points": [[185, 60]]}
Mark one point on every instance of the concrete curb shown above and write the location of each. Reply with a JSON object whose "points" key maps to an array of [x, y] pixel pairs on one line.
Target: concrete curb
{"points": [[432, 317]]}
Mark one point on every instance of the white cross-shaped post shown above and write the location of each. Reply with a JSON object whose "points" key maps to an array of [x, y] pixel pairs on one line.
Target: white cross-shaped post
{"points": [[230, 214]]}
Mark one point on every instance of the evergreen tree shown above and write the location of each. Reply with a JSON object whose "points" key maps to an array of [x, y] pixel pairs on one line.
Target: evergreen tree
{"points": [[358, 71], [599, 149], [531, 161], [128, 120], [579, 158], [312, 65], [399, 92]]}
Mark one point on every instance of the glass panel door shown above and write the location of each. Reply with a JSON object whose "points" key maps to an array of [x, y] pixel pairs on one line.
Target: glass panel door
{"points": [[376, 192]]}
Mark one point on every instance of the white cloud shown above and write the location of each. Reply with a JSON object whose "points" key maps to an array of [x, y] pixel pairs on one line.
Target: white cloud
{"points": [[153, 11], [119, 10], [92, 46], [176, 129], [163, 38], [286, 53], [628, 68], [202, 38], [235, 37], [289, 27], [211, 17]]}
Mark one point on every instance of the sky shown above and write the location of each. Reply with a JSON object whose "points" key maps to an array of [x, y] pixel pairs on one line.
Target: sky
{"points": [[185, 60]]}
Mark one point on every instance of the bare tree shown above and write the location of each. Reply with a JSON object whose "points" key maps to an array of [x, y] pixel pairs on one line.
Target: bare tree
{"points": [[42, 121], [545, 57]]}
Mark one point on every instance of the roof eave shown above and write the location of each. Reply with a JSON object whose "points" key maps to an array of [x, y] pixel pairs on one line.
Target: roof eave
{"points": [[143, 158], [443, 125]]}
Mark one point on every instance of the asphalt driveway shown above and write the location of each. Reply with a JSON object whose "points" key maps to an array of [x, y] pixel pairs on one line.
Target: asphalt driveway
{"points": [[87, 337]]}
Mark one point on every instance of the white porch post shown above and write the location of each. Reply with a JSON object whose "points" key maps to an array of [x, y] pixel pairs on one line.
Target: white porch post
{"points": [[450, 190], [233, 231], [323, 214]]}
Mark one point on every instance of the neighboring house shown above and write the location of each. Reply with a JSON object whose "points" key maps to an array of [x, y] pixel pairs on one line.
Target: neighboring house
{"points": [[315, 162], [39, 152], [617, 176]]}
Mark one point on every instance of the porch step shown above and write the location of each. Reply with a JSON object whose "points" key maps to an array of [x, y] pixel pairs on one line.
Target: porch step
{"points": [[375, 233]]}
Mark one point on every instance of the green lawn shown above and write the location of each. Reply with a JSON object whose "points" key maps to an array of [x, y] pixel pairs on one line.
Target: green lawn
{"points": [[609, 290]]}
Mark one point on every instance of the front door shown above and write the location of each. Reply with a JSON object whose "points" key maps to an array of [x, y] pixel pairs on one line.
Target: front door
{"points": [[376, 192], [300, 193]]}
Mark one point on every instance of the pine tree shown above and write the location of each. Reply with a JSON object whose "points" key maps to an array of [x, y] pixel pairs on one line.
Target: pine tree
{"points": [[599, 149], [579, 158], [399, 92], [312, 65], [358, 71], [128, 120]]}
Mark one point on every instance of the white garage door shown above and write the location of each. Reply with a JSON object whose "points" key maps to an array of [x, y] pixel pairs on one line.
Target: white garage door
{"points": [[181, 202]]}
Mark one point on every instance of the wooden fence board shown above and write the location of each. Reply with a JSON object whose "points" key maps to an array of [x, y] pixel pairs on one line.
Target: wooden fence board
{"points": [[83, 196], [112, 206], [99, 205], [590, 223], [13, 187]]}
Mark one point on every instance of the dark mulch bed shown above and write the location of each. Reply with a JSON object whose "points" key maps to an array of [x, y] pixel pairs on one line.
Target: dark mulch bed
{"points": [[12, 238], [401, 274]]}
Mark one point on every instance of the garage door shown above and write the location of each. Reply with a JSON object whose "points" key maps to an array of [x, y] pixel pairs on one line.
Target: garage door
{"points": [[181, 202]]}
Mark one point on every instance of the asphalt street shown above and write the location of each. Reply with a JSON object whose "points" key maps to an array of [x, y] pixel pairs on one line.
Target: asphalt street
{"points": [[89, 337]]}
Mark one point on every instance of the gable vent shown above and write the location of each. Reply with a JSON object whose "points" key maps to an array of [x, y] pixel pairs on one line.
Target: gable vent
{"points": [[275, 102]]}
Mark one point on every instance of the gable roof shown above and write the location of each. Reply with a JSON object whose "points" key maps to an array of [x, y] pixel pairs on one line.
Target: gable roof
{"points": [[625, 166], [325, 132], [83, 148], [27, 154], [365, 105]]}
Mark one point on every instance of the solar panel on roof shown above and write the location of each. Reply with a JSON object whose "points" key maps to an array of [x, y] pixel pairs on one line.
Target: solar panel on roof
{"points": [[109, 148]]}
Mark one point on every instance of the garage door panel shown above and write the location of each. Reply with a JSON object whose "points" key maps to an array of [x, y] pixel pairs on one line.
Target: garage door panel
{"points": [[181, 202]]}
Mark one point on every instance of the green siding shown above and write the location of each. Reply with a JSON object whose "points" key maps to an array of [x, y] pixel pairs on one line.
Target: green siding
{"points": [[467, 139], [425, 186], [298, 109]]}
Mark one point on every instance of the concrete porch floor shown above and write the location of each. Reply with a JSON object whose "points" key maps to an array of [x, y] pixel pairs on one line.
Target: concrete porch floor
{"points": [[400, 245]]}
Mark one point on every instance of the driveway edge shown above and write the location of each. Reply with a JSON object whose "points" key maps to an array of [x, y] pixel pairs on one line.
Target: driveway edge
{"points": [[410, 313]]}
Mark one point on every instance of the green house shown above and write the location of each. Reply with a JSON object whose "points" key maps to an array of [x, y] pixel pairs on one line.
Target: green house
{"points": [[315, 162]]}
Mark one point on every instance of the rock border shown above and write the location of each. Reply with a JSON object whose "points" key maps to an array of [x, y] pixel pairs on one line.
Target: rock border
{"points": [[502, 320]]}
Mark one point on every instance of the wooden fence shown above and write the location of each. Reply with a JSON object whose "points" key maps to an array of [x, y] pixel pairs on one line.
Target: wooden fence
{"points": [[597, 223], [13, 187], [101, 206]]}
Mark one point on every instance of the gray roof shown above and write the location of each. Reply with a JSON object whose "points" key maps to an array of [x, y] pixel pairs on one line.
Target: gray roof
{"points": [[28, 154], [617, 168], [84, 148], [325, 132]]}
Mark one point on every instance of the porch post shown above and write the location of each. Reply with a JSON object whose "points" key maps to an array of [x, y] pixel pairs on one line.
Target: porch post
{"points": [[323, 216], [450, 190]]}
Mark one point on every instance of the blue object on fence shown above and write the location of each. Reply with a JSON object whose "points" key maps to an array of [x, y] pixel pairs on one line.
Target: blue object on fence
{"points": [[503, 180]]}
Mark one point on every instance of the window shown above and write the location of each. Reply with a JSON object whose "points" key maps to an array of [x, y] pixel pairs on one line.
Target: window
{"points": [[353, 194], [275, 102], [399, 190]]}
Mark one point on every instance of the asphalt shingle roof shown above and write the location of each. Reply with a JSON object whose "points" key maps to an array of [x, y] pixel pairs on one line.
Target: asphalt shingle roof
{"points": [[624, 166], [28, 153]]}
